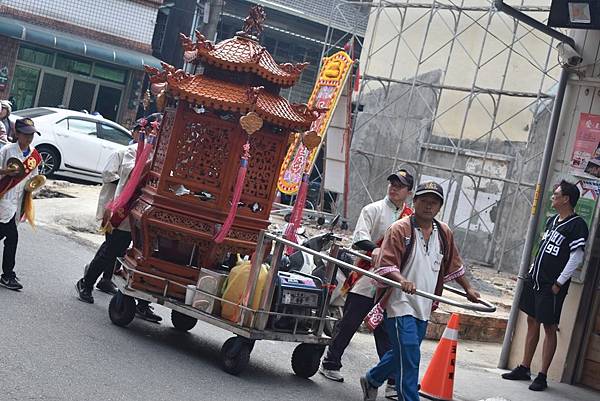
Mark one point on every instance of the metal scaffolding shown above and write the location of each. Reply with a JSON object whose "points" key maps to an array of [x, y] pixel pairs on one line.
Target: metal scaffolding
{"points": [[463, 134]]}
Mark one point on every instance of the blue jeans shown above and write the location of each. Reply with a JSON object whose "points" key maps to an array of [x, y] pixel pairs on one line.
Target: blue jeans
{"points": [[406, 334]]}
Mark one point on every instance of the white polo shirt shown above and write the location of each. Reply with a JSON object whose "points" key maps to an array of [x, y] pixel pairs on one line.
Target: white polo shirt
{"points": [[422, 268], [374, 220]]}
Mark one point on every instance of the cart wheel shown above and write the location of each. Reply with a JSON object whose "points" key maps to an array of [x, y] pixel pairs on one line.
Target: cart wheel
{"points": [[182, 322], [306, 359], [235, 354], [121, 309]]}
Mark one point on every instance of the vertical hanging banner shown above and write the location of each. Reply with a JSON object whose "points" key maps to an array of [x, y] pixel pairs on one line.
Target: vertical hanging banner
{"points": [[325, 95], [585, 161]]}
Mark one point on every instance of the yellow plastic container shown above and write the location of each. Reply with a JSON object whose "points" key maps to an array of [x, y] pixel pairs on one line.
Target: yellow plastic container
{"points": [[235, 287]]}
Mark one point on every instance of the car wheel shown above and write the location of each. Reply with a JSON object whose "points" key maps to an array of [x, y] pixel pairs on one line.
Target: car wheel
{"points": [[50, 160]]}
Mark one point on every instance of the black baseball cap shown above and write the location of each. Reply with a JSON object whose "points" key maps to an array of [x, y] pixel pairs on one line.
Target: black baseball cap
{"points": [[430, 187], [404, 177], [26, 126]]}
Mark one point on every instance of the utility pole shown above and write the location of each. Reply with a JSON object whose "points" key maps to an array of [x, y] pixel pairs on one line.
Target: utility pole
{"points": [[210, 18], [206, 20]]}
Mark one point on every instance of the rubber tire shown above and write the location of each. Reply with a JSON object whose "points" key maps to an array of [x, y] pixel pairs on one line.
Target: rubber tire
{"points": [[235, 355], [121, 309], [306, 359], [182, 322], [53, 155], [329, 326]]}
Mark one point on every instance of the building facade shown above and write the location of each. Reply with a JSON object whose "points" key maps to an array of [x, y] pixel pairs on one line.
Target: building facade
{"points": [[300, 31], [83, 55]]}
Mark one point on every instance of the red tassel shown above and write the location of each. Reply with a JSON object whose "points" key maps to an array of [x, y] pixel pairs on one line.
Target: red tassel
{"points": [[296, 218], [237, 194], [119, 207], [140, 145]]}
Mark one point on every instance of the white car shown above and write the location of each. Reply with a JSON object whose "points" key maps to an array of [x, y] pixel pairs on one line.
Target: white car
{"points": [[73, 143]]}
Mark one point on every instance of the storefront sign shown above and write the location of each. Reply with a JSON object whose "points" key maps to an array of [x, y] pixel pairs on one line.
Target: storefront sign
{"points": [[3, 77], [585, 160], [325, 95]]}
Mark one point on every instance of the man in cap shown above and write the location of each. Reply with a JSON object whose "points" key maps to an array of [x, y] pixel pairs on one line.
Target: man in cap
{"points": [[560, 252], [115, 175], [12, 187], [418, 252], [374, 219]]}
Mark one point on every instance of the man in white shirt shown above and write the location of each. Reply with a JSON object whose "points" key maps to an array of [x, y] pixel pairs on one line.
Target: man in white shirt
{"points": [[418, 252], [374, 219], [12, 186], [116, 174]]}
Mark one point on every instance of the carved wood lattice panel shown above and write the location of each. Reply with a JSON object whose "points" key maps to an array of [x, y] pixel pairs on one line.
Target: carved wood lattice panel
{"points": [[163, 141], [202, 154], [179, 220], [263, 168]]}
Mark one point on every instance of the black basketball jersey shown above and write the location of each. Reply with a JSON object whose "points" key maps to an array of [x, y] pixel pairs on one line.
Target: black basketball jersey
{"points": [[559, 240]]}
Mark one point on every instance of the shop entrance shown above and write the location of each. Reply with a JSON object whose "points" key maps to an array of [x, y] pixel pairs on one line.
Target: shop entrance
{"points": [[108, 102], [47, 79]]}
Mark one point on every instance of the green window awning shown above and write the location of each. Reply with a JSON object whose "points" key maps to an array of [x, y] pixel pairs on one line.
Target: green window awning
{"points": [[72, 44]]}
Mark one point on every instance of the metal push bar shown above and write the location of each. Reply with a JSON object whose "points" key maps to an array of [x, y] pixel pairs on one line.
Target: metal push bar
{"points": [[481, 306]]}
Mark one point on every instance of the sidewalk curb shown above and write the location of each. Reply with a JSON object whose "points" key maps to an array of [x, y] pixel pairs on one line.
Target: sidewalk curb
{"points": [[472, 327]]}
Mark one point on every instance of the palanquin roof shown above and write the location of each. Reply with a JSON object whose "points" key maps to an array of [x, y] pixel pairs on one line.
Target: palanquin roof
{"points": [[223, 95], [241, 53]]}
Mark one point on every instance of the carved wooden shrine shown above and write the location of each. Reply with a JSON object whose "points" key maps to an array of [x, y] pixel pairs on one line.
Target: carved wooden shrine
{"points": [[187, 195]]}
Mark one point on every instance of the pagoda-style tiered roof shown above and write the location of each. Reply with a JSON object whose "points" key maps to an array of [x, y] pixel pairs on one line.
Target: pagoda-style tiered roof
{"points": [[241, 53], [224, 95]]}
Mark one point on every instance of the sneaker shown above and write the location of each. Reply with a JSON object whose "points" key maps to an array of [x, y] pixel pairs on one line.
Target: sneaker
{"points": [[146, 312], [334, 375], [11, 283], [390, 392], [518, 373], [369, 392], [83, 293], [107, 286], [539, 383]]}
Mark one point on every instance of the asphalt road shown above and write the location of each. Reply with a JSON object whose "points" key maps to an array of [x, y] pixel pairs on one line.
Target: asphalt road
{"points": [[54, 347]]}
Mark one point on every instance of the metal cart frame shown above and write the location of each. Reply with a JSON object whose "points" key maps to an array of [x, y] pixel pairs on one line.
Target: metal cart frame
{"points": [[252, 323]]}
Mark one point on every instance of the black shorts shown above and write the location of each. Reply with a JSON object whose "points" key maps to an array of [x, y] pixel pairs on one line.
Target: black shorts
{"points": [[542, 304]]}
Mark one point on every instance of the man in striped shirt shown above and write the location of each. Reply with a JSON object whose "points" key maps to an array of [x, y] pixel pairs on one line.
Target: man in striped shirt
{"points": [[545, 289]]}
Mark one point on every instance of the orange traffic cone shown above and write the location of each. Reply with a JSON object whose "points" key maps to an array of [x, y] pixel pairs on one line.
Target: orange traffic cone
{"points": [[438, 382]]}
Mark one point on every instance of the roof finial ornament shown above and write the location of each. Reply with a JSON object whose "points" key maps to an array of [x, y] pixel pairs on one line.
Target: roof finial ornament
{"points": [[253, 24]]}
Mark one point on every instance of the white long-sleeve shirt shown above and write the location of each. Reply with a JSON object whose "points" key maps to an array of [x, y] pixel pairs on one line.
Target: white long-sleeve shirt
{"points": [[118, 167], [575, 259]]}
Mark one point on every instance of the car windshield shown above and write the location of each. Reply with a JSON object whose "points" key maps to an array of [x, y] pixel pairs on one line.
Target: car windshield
{"points": [[34, 112]]}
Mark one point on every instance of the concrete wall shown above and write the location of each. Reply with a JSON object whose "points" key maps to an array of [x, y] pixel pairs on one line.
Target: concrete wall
{"points": [[477, 58], [567, 322], [388, 128]]}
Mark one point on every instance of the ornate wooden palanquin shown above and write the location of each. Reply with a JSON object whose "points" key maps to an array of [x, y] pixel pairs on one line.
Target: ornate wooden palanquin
{"points": [[188, 192]]}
